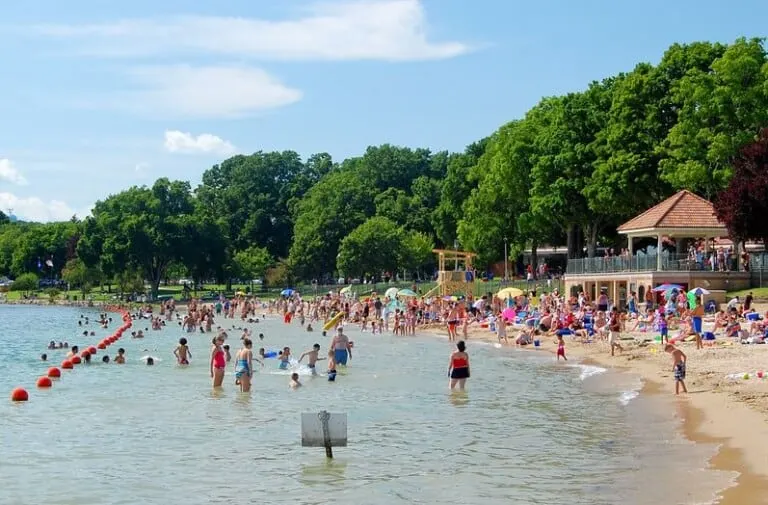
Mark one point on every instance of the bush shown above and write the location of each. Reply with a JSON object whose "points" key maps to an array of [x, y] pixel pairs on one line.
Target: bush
{"points": [[25, 282]]}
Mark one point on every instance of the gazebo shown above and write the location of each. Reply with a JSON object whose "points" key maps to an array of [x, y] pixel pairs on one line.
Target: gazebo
{"points": [[681, 216]]}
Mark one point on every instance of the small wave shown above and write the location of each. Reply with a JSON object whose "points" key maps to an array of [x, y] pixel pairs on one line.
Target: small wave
{"points": [[627, 396], [589, 370]]}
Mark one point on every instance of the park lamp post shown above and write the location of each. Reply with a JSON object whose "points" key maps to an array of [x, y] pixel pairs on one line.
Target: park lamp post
{"points": [[506, 273], [456, 256]]}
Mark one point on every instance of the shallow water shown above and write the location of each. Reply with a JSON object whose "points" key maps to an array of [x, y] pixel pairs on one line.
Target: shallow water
{"points": [[528, 430]]}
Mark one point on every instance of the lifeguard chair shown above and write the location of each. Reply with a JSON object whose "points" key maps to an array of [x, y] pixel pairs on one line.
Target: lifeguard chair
{"points": [[459, 279]]}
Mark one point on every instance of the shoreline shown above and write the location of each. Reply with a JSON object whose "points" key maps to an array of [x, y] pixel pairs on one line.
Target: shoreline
{"points": [[735, 421]]}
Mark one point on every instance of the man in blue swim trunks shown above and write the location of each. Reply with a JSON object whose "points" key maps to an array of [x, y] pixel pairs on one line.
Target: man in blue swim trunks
{"points": [[341, 348]]}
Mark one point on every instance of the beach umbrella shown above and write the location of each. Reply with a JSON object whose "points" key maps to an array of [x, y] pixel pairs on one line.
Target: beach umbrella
{"points": [[406, 292], [240, 293], [509, 293], [286, 292], [664, 288], [391, 293], [345, 290], [509, 314], [698, 292]]}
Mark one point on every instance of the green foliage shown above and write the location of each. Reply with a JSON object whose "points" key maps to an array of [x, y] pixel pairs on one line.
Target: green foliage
{"points": [[252, 262], [571, 170], [25, 282], [371, 248], [78, 275]]}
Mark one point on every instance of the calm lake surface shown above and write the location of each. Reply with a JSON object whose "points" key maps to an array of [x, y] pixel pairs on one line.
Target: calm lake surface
{"points": [[527, 431]]}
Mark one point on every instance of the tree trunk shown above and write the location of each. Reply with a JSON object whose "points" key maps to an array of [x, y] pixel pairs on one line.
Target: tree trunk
{"points": [[571, 241], [534, 256], [592, 237]]}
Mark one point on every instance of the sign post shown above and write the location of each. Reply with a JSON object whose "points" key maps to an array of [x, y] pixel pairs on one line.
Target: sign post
{"points": [[324, 430]]}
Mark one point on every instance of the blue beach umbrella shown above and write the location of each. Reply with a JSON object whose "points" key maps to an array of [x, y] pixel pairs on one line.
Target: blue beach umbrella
{"points": [[286, 292], [698, 292]]}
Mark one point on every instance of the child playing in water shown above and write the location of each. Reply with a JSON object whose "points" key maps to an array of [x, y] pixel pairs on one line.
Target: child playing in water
{"points": [[120, 358], [501, 330], [560, 347], [182, 352], [331, 366], [285, 358], [678, 367], [313, 359], [294, 381]]}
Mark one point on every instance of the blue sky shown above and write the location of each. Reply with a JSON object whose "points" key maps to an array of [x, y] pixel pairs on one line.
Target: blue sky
{"points": [[98, 96]]}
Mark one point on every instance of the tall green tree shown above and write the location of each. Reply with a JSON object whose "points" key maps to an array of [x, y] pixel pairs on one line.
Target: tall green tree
{"points": [[722, 108], [373, 247]]}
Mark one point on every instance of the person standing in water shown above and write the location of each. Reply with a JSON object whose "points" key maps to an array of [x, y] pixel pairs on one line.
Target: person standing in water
{"points": [[458, 366], [678, 367], [244, 365], [182, 352], [218, 362], [313, 358], [342, 350]]}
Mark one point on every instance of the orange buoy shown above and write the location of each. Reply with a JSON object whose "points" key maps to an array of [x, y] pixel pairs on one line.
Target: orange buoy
{"points": [[44, 382], [54, 372], [85, 353], [92, 349], [75, 360], [19, 395], [66, 364], [102, 345]]}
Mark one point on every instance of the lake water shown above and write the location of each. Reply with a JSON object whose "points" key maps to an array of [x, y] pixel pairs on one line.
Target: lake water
{"points": [[527, 431]]}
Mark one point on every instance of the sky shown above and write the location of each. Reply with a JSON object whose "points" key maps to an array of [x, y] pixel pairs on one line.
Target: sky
{"points": [[98, 96]]}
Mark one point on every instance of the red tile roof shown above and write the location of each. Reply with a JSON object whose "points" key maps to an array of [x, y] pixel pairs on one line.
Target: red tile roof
{"points": [[682, 210]]}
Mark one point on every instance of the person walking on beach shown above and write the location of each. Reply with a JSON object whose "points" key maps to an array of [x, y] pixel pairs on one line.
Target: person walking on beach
{"points": [[218, 362], [560, 347], [458, 366], [678, 367], [697, 316], [614, 331]]}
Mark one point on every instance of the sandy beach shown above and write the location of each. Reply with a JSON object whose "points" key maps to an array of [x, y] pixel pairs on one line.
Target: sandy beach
{"points": [[731, 412]]}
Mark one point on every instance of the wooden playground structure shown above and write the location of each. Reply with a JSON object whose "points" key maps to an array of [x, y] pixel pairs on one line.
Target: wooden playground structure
{"points": [[459, 279]]}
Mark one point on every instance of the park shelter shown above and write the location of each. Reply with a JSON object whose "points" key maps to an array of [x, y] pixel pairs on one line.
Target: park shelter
{"points": [[684, 215]]}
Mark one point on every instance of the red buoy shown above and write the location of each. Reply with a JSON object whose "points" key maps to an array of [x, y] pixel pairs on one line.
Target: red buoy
{"points": [[44, 382], [54, 372], [85, 353], [102, 345], [19, 395], [92, 349], [66, 364], [75, 360]]}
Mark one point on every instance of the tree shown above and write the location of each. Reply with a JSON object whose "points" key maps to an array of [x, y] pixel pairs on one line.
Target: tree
{"points": [[334, 207], [373, 247], [26, 282], [722, 107], [77, 274], [141, 228], [416, 251], [743, 205], [253, 262]]}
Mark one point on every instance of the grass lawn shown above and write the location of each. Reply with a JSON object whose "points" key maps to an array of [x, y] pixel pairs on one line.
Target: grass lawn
{"points": [[758, 293]]}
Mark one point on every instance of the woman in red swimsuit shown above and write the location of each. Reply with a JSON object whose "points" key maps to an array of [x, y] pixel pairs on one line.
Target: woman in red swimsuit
{"points": [[218, 362], [458, 366]]}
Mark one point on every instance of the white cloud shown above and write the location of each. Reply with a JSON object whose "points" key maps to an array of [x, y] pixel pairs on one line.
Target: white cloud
{"points": [[209, 92], [205, 143], [36, 209], [393, 30], [9, 173]]}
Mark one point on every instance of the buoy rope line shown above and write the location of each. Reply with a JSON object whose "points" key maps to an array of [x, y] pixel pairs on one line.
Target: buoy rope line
{"points": [[20, 394]]}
